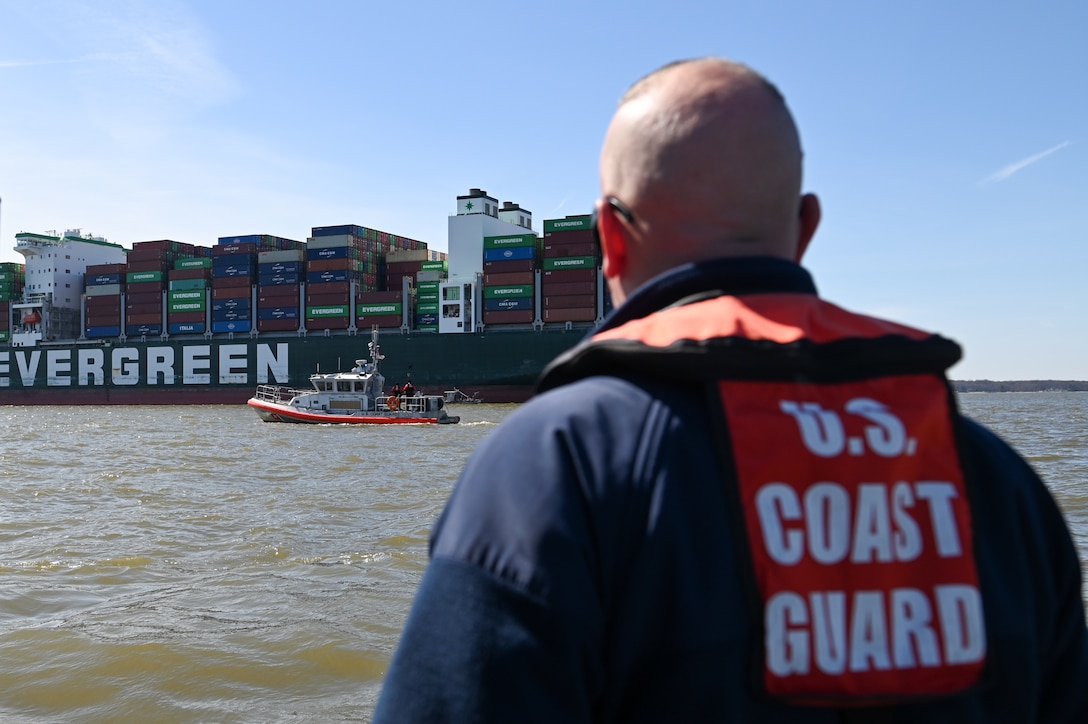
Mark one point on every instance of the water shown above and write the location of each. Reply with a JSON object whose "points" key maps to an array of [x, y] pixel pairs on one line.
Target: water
{"points": [[181, 564]]}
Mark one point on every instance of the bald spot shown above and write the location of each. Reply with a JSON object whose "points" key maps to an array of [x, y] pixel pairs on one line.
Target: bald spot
{"points": [[708, 156]]}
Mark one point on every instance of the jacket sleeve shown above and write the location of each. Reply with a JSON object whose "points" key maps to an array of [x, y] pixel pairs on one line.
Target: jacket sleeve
{"points": [[508, 619]]}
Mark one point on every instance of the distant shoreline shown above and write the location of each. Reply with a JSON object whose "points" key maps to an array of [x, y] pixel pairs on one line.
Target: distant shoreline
{"points": [[1020, 386]]}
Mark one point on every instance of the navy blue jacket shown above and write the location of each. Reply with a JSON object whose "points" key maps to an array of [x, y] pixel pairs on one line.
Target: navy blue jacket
{"points": [[584, 569]]}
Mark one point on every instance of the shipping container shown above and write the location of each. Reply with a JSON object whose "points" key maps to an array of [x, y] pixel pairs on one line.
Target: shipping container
{"points": [[231, 315], [233, 249], [326, 300], [505, 303], [525, 277], [238, 267], [585, 314], [231, 304], [508, 241], [279, 313], [278, 291], [186, 327], [366, 321], [280, 267], [184, 318], [230, 292], [203, 273], [328, 323], [520, 290], [565, 276], [581, 222], [153, 296], [138, 330], [194, 263], [517, 265], [143, 318], [558, 290], [569, 301], [233, 283], [510, 254], [104, 331], [105, 290], [274, 278], [99, 280], [231, 326], [180, 285], [277, 325], [553, 250], [517, 316], [571, 262], [144, 277]]}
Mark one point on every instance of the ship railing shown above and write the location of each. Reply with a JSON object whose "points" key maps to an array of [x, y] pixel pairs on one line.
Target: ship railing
{"points": [[275, 393]]}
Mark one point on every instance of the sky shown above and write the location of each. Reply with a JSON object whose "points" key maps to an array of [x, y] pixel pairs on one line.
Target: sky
{"points": [[947, 141]]}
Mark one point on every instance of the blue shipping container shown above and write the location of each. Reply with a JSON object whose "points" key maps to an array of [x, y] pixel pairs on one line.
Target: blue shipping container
{"points": [[320, 277], [229, 315], [277, 313], [232, 305], [114, 331], [137, 330], [247, 239], [272, 279], [235, 269], [335, 230], [99, 280], [279, 267], [424, 320], [230, 326], [329, 252], [510, 303], [514, 253], [191, 328]]}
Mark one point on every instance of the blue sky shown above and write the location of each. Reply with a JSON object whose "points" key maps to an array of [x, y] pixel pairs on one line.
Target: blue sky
{"points": [[945, 139]]}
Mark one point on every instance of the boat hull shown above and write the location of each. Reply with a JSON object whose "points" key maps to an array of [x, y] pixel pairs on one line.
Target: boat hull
{"points": [[275, 412]]}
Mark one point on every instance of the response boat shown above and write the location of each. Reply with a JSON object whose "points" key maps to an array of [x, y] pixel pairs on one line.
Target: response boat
{"points": [[356, 397]]}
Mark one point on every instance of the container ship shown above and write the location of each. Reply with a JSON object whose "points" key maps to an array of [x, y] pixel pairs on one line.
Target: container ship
{"points": [[87, 322]]}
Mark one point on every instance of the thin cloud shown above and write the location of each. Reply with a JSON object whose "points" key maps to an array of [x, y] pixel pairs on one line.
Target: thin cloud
{"points": [[1013, 168], [32, 63]]}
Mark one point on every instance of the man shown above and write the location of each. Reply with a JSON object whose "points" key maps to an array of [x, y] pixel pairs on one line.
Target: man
{"points": [[736, 501]]}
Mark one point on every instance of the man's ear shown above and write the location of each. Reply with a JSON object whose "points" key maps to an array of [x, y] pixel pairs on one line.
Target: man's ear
{"points": [[613, 241], [806, 228]]}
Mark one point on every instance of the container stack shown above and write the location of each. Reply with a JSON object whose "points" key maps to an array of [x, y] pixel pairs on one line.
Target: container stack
{"points": [[234, 275], [104, 284], [509, 290], [279, 284], [12, 281], [145, 282], [339, 258], [429, 279], [568, 282], [187, 293]]}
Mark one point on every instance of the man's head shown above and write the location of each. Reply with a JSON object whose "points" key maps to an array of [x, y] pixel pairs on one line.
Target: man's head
{"points": [[706, 156]]}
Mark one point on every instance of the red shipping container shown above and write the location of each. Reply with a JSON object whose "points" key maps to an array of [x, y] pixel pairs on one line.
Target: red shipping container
{"points": [[184, 317], [143, 297], [329, 288], [404, 268], [194, 273], [232, 282], [504, 278], [333, 265], [512, 265], [230, 293], [378, 297], [104, 319], [513, 316], [557, 250], [106, 302], [142, 287], [96, 269], [146, 266], [560, 290], [393, 282], [146, 308], [565, 276], [328, 323], [382, 320], [143, 318], [145, 255], [570, 315], [277, 325], [327, 300], [277, 292], [571, 301], [577, 236]]}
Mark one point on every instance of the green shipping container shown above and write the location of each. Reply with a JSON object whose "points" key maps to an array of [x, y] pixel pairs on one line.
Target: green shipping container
{"points": [[427, 297], [521, 290], [362, 310], [340, 310], [427, 286], [571, 223], [4, 336], [147, 276], [508, 240], [185, 284], [201, 263], [435, 266], [196, 306], [571, 262], [426, 309], [186, 295]]}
